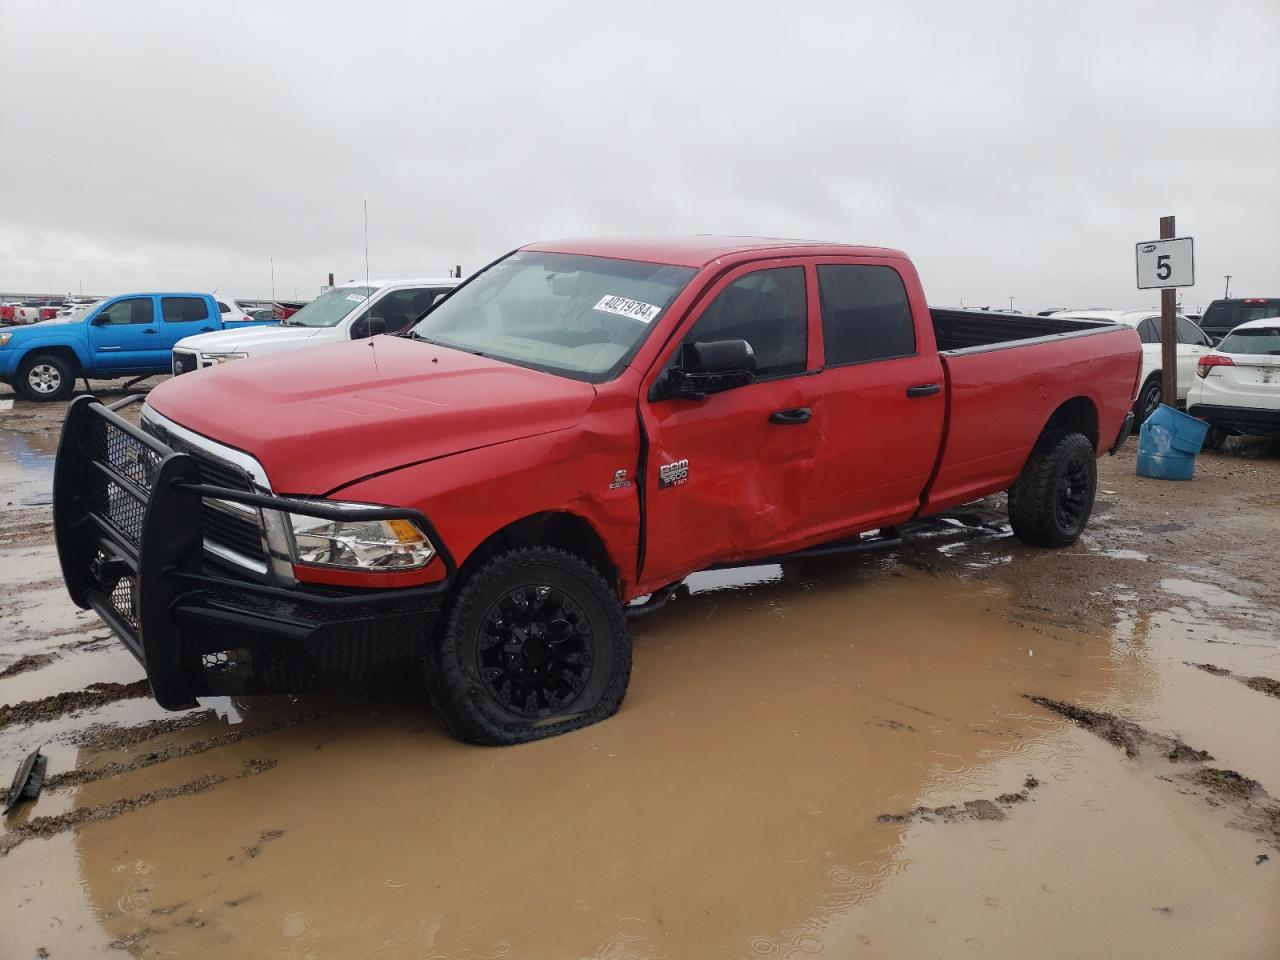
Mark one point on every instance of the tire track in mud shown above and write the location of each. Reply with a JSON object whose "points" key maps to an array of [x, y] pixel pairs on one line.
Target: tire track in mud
{"points": [[1261, 684], [32, 661], [52, 825], [1255, 809], [175, 751], [969, 810], [49, 708]]}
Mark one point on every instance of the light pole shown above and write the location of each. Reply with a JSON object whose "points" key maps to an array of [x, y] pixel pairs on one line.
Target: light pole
{"points": [[1226, 294]]}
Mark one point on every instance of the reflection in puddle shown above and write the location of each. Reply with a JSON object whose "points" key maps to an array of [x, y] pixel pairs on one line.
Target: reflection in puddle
{"points": [[26, 470]]}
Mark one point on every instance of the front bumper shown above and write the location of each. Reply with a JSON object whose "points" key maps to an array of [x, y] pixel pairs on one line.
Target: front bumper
{"points": [[1255, 421], [127, 520]]}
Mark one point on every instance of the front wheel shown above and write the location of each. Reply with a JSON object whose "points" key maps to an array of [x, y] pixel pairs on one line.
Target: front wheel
{"points": [[535, 644], [46, 377], [1050, 502], [1149, 398]]}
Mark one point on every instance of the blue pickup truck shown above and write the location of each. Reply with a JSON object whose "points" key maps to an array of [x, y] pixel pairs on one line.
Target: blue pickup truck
{"points": [[131, 335]]}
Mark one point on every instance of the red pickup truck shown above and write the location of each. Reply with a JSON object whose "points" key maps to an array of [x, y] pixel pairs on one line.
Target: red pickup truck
{"points": [[576, 428]]}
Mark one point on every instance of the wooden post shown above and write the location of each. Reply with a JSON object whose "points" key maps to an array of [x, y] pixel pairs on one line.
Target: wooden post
{"points": [[1168, 332]]}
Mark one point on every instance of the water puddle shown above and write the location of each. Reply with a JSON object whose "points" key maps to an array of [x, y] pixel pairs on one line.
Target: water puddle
{"points": [[26, 469]]}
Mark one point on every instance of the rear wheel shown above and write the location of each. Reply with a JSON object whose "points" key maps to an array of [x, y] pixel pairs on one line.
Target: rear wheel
{"points": [[46, 376], [1215, 438], [1050, 502], [534, 645], [1149, 398]]}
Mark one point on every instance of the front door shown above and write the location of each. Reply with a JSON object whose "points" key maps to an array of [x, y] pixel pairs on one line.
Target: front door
{"points": [[124, 336], [726, 476], [884, 399]]}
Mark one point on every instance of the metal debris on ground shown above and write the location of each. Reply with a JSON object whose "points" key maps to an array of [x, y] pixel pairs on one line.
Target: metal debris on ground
{"points": [[27, 780]]}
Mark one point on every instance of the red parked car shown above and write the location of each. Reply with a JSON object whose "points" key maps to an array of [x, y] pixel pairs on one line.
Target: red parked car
{"points": [[577, 427]]}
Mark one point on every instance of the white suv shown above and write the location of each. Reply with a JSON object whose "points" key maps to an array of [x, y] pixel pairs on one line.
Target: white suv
{"points": [[351, 311], [1193, 343], [1237, 384]]}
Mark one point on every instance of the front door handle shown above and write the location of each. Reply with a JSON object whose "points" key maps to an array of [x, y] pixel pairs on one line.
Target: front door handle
{"points": [[149, 330], [206, 329], [791, 415], [923, 390]]}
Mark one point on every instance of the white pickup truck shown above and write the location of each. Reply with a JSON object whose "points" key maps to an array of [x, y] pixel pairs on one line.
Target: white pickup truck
{"points": [[351, 311]]}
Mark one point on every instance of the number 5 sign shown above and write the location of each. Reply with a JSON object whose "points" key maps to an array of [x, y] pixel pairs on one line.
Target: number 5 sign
{"points": [[1166, 263]]}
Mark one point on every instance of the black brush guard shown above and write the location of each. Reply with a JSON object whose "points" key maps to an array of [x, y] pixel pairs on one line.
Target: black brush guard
{"points": [[127, 522]]}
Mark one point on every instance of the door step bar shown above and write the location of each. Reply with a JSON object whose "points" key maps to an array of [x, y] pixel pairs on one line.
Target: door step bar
{"points": [[884, 540]]}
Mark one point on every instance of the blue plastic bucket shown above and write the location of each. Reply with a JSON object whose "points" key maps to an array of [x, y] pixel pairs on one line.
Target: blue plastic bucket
{"points": [[1168, 443]]}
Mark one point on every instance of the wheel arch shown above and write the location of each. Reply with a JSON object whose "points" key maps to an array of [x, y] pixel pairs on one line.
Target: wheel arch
{"points": [[1077, 415], [59, 350], [552, 528]]}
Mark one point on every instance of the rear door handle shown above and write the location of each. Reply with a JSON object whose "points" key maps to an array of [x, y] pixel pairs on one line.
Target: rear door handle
{"points": [[791, 415], [148, 330], [923, 390], [206, 329]]}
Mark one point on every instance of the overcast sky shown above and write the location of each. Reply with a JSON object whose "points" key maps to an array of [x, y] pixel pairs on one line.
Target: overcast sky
{"points": [[1012, 149]]}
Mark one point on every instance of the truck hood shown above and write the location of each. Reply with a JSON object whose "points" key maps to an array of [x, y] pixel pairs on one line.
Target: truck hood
{"points": [[233, 339], [324, 417]]}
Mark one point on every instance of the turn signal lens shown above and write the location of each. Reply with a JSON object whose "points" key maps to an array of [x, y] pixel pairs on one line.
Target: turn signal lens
{"points": [[1209, 361]]}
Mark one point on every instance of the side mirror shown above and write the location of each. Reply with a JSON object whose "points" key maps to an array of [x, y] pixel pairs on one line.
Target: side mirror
{"points": [[710, 367]]}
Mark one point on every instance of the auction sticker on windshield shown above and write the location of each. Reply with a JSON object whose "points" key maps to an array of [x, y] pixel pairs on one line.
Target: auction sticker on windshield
{"points": [[635, 309]]}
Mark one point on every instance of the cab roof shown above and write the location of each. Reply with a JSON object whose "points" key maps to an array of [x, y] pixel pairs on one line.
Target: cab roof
{"points": [[701, 249]]}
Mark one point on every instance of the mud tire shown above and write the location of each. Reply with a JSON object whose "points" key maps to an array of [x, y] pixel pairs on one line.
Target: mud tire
{"points": [[54, 372], [468, 710], [1060, 464]]}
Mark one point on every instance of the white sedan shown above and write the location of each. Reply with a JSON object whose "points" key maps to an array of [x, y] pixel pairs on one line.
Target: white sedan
{"points": [[1237, 384], [1193, 343]]}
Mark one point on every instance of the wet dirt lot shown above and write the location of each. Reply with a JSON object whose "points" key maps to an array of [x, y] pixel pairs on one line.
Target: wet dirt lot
{"points": [[965, 747]]}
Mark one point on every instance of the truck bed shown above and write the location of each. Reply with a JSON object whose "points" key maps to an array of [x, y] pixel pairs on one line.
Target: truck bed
{"points": [[969, 329], [1006, 374]]}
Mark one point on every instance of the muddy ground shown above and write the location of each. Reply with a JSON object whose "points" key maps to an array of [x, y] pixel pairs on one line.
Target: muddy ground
{"points": [[965, 747]]}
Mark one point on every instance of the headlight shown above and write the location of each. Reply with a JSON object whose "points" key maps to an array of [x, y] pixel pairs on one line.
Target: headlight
{"points": [[217, 358], [5, 337], [360, 544]]}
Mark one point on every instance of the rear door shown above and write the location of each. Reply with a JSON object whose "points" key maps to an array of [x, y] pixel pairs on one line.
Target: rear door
{"points": [[1192, 345], [883, 397], [125, 336], [184, 317], [727, 476]]}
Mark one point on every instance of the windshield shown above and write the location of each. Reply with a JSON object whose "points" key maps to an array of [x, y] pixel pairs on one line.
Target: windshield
{"points": [[329, 309], [574, 315], [1260, 340]]}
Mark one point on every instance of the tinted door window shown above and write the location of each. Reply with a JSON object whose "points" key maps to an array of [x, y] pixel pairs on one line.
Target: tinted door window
{"points": [[1188, 332], [124, 312], [865, 314], [768, 310], [1149, 331], [183, 309], [400, 308]]}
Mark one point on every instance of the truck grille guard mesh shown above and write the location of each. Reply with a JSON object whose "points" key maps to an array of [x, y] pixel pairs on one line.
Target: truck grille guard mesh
{"points": [[129, 524]]}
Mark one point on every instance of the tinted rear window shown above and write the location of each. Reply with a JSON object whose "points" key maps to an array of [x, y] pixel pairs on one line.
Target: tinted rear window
{"points": [[1225, 314], [1264, 340]]}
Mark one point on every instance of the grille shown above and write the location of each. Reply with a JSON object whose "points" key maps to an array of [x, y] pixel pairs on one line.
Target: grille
{"points": [[241, 534], [134, 461], [183, 362], [238, 531]]}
